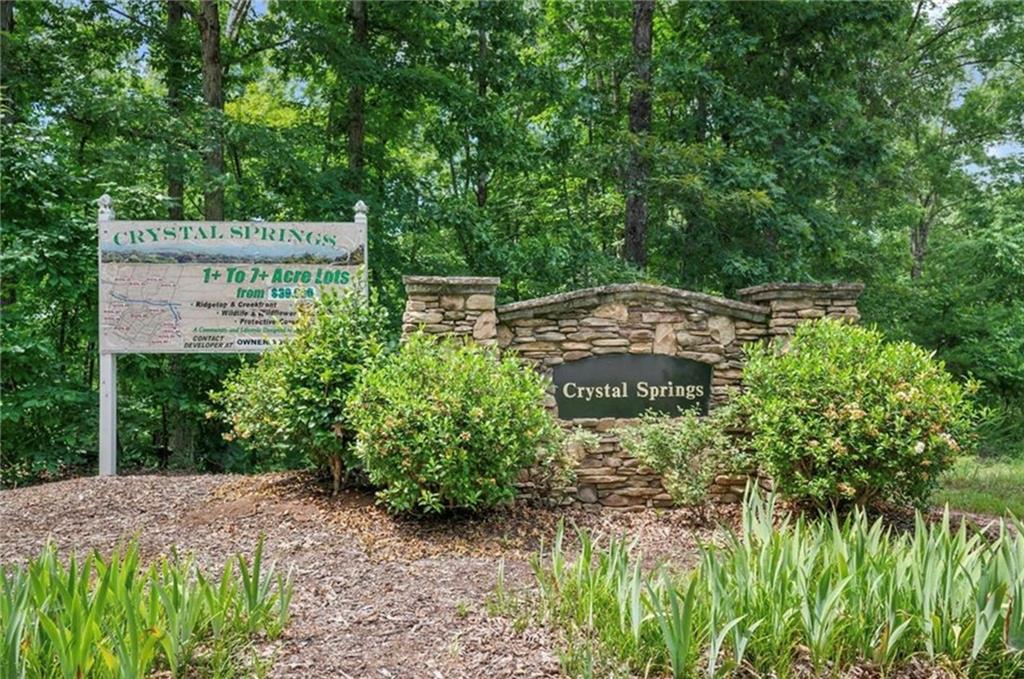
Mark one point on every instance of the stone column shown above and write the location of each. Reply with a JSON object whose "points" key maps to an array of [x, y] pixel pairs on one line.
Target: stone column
{"points": [[792, 303], [451, 305]]}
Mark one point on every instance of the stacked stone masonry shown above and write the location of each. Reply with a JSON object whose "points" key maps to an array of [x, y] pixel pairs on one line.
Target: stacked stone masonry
{"points": [[789, 304], [456, 306], [630, 318]]}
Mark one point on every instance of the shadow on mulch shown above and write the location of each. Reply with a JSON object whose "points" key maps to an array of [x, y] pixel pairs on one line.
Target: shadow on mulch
{"points": [[902, 520], [516, 530]]}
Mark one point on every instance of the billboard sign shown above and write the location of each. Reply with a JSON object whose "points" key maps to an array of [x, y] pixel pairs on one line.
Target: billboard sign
{"points": [[217, 287]]}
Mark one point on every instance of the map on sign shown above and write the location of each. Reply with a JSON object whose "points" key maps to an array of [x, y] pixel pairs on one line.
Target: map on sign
{"points": [[217, 287]]}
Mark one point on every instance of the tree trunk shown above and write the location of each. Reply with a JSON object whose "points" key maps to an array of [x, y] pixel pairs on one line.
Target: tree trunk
{"points": [[639, 167], [481, 92], [7, 28], [174, 77], [174, 172], [918, 247], [357, 99], [181, 439], [919, 233], [213, 97], [7, 16], [337, 471]]}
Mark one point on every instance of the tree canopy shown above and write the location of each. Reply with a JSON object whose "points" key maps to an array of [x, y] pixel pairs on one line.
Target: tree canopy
{"points": [[534, 140]]}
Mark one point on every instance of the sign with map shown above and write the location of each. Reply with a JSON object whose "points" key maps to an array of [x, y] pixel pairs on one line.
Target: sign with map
{"points": [[216, 287]]}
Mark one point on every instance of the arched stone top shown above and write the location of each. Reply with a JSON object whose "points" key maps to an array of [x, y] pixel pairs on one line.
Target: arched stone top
{"points": [[632, 292]]}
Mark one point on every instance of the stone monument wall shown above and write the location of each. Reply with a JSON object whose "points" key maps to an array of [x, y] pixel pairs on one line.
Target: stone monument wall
{"points": [[634, 319]]}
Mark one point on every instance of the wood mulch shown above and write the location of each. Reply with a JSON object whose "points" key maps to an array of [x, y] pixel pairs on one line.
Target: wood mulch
{"points": [[375, 596]]}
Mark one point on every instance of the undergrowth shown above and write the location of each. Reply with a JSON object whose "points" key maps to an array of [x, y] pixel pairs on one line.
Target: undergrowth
{"points": [[786, 596], [111, 617]]}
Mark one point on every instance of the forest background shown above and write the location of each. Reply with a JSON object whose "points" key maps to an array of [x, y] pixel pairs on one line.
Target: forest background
{"points": [[555, 144]]}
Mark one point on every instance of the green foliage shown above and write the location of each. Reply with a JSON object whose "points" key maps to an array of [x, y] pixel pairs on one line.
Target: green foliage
{"points": [[845, 592], [112, 617], [842, 416], [687, 450], [493, 144], [288, 408], [967, 305], [444, 424]]}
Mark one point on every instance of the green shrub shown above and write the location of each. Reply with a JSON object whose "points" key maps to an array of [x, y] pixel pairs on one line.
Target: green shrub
{"points": [[849, 593], [841, 416], [444, 424], [101, 618], [688, 451], [289, 406]]}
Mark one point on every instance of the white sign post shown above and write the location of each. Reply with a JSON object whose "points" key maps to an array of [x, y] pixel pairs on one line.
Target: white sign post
{"points": [[108, 374], [210, 287]]}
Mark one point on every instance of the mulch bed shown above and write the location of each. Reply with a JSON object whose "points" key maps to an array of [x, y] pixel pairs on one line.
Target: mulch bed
{"points": [[374, 595]]}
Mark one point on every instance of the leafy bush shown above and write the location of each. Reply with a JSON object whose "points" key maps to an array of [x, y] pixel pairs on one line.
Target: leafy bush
{"points": [[845, 592], [688, 451], [289, 406], [968, 304], [113, 618], [842, 416], [444, 424]]}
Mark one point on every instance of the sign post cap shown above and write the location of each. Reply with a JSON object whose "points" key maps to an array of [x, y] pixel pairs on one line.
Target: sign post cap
{"points": [[106, 207]]}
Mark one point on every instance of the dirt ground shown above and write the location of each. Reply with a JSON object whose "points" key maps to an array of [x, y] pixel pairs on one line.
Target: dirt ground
{"points": [[374, 596]]}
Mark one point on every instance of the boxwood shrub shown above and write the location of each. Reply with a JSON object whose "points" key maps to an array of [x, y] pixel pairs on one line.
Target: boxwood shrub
{"points": [[841, 416], [288, 407], [445, 424]]}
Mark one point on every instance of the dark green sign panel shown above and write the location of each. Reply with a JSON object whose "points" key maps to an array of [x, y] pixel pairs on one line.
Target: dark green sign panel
{"points": [[626, 385]]}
